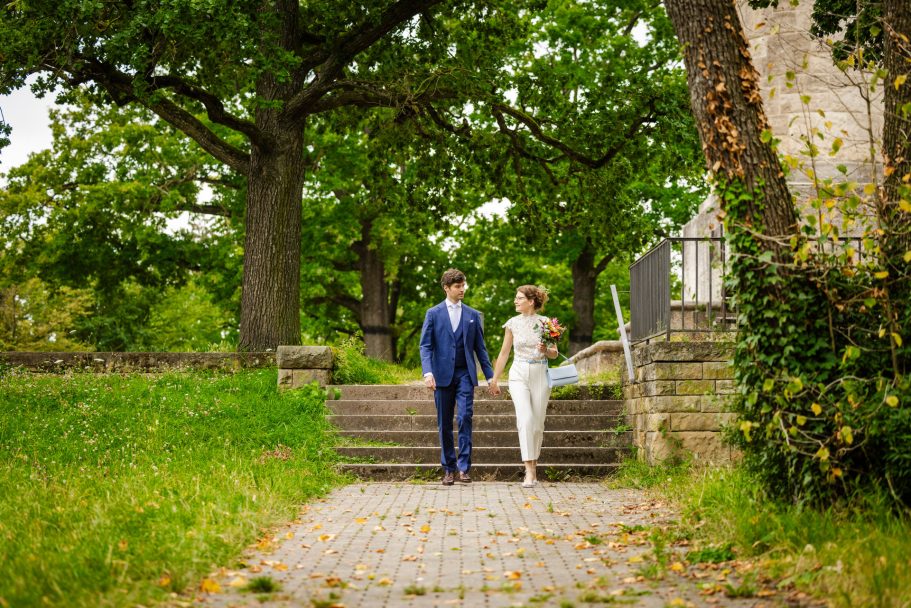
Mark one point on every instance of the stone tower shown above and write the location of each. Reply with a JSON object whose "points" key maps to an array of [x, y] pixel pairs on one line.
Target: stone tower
{"points": [[806, 98]]}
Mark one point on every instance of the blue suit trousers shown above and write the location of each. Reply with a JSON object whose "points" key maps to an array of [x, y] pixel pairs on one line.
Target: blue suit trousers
{"points": [[455, 399]]}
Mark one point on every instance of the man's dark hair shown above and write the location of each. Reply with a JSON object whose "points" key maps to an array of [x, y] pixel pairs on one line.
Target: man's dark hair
{"points": [[452, 276]]}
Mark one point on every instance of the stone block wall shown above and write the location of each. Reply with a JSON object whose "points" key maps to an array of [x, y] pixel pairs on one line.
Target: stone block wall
{"points": [[155, 362], [298, 366], [677, 402]]}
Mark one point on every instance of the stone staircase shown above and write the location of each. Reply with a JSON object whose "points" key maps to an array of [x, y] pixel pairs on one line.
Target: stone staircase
{"points": [[390, 433]]}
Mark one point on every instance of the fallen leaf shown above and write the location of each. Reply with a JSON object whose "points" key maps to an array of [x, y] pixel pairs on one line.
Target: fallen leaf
{"points": [[512, 575], [360, 520], [384, 582], [164, 581], [425, 528], [238, 581], [209, 586]]}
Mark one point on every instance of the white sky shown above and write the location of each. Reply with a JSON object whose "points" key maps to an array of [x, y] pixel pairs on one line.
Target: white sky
{"points": [[31, 131]]}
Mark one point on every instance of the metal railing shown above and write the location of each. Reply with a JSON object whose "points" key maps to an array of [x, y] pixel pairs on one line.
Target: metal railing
{"points": [[702, 303]]}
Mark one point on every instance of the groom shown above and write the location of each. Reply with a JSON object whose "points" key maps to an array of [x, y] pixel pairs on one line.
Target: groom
{"points": [[450, 338]]}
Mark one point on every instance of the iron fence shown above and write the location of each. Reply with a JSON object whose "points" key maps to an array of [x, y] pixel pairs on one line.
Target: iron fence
{"points": [[678, 285]]}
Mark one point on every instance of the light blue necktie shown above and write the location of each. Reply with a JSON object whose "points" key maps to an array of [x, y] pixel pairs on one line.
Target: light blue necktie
{"points": [[454, 315]]}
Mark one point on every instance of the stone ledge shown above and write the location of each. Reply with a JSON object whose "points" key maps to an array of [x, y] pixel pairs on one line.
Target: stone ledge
{"points": [[56, 362], [299, 378], [682, 351], [304, 357]]}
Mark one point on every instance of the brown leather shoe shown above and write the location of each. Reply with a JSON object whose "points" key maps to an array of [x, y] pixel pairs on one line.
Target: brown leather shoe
{"points": [[448, 478], [464, 477]]}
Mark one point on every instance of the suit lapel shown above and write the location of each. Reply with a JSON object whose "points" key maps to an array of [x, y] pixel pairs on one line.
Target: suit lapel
{"points": [[444, 310]]}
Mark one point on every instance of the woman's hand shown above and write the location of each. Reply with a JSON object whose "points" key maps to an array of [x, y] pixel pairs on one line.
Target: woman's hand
{"points": [[493, 387], [552, 351]]}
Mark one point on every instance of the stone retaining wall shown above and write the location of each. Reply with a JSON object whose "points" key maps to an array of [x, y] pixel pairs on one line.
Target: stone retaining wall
{"points": [[58, 362], [298, 366], [677, 402], [600, 357]]}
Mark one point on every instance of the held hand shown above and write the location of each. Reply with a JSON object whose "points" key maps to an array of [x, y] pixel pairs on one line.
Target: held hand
{"points": [[430, 383], [493, 387], [552, 350], [541, 347]]}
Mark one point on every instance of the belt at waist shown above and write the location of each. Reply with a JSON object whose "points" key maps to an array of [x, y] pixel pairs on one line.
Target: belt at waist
{"points": [[533, 361]]}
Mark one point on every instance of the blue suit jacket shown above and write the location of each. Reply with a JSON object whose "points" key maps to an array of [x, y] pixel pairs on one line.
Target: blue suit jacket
{"points": [[438, 344]]}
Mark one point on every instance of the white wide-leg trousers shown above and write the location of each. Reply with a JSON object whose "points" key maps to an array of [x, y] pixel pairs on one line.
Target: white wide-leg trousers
{"points": [[529, 391]]}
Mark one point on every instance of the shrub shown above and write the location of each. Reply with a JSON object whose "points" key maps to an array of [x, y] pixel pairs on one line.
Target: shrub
{"points": [[824, 408]]}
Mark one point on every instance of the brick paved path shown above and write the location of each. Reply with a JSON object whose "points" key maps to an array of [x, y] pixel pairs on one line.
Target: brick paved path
{"points": [[484, 544]]}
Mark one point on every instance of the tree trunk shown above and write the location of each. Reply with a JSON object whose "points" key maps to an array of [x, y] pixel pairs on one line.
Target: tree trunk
{"points": [[897, 128], [724, 94], [896, 222], [270, 299], [270, 302], [375, 316], [585, 278]]}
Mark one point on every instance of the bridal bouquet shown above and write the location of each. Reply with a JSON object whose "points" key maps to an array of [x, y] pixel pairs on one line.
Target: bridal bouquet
{"points": [[551, 330]]}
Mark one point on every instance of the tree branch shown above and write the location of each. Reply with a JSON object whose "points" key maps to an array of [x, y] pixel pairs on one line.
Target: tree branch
{"points": [[119, 86], [367, 95], [331, 62], [602, 265], [538, 133], [234, 157], [351, 303], [215, 108]]}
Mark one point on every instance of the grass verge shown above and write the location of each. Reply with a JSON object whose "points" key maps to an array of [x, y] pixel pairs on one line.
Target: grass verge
{"points": [[121, 490], [352, 366], [856, 554]]}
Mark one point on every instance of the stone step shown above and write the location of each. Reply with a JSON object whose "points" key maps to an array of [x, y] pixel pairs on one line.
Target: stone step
{"points": [[481, 406], [418, 392], [482, 472], [483, 422], [487, 455], [510, 438]]}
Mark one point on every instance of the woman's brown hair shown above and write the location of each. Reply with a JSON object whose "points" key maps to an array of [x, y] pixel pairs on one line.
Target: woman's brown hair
{"points": [[535, 294]]}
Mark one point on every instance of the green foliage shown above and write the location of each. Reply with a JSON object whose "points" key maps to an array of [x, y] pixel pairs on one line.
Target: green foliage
{"points": [[118, 490], [352, 366], [824, 406], [849, 555], [89, 217], [634, 473], [853, 28], [186, 319], [35, 318], [263, 584]]}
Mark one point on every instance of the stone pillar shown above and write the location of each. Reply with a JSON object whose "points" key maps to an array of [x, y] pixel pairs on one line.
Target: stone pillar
{"points": [[677, 400], [301, 365]]}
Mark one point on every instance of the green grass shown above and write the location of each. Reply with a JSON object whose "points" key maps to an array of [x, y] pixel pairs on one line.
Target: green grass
{"points": [[352, 366], [856, 554], [118, 490]]}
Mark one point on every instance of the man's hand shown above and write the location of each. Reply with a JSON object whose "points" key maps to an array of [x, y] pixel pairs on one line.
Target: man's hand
{"points": [[493, 387], [429, 382]]}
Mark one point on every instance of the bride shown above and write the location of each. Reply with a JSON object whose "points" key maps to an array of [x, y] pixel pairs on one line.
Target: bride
{"points": [[527, 376]]}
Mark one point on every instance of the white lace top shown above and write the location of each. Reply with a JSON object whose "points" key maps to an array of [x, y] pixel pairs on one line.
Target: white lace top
{"points": [[526, 336]]}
